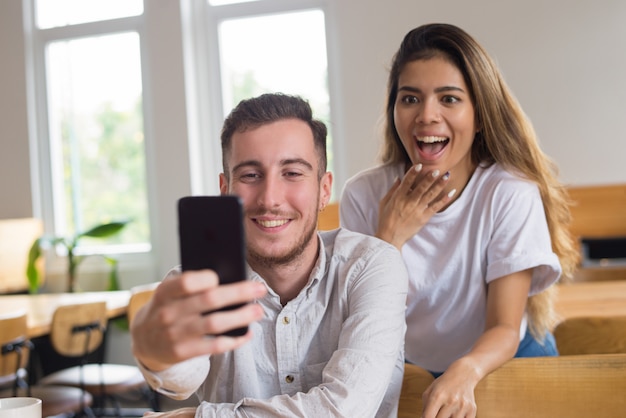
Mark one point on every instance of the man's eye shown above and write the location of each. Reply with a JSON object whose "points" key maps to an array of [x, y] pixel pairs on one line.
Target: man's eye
{"points": [[249, 176], [292, 174]]}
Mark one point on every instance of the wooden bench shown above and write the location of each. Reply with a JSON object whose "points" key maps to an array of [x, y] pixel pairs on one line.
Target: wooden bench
{"points": [[591, 335], [539, 387]]}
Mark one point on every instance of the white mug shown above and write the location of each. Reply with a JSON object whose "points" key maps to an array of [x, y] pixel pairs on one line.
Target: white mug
{"points": [[20, 408]]}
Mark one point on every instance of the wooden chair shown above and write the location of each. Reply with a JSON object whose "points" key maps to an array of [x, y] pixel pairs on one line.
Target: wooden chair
{"points": [[139, 296], [77, 330], [546, 387], [13, 375], [329, 218], [414, 383], [591, 335]]}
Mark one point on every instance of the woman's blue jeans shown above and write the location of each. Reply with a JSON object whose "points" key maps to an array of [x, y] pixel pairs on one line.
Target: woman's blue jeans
{"points": [[530, 347]]}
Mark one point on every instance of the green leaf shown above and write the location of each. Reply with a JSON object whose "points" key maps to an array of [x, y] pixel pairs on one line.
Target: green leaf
{"points": [[34, 279], [114, 279], [104, 230], [31, 269]]}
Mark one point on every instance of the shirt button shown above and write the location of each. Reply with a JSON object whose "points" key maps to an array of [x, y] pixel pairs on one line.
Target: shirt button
{"points": [[289, 378], [285, 320]]}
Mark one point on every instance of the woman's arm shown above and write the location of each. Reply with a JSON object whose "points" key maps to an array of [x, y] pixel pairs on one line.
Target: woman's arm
{"points": [[452, 394]]}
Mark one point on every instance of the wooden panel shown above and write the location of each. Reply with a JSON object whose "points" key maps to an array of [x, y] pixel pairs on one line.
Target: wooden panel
{"points": [[596, 298], [548, 387], [591, 335], [16, 238], [599, 211], [600, 273], [329, 217], [416, 380]]}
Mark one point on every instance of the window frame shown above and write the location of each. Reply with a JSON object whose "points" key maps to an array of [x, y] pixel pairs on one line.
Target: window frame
{"points": [[131, 256], [204, 84]]}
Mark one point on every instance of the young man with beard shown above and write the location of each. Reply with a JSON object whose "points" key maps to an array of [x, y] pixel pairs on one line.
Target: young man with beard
{"points": [[327, 326]]}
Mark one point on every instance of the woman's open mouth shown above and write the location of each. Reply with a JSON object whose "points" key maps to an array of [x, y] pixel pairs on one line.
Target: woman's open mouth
{"points": [[431, 146]]}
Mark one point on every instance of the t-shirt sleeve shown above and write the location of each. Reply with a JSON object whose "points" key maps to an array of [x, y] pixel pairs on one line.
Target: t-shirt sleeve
{"points": [[355, 211], [521, 239]]}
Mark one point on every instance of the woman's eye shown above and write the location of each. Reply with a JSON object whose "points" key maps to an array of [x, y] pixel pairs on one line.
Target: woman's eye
{"points": [[450, 99], [409, 99]]}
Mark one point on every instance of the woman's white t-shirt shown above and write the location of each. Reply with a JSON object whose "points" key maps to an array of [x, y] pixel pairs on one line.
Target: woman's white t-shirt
{"points": [[497, 226]]}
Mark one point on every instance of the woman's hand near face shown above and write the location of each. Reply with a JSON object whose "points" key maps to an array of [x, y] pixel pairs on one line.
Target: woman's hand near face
{"points": [[410, 203]]}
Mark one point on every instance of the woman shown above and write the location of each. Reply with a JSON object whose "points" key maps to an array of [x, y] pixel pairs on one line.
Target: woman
{"points": [[479, 215]]}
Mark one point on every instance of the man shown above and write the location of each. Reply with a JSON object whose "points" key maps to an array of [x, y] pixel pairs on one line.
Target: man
{"points": [[329, 305]]}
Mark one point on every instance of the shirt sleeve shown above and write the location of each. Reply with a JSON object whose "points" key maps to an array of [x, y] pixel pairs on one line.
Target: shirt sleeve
{"points": [[521, 239], [359, 373], [179, 381], [352, 209]]}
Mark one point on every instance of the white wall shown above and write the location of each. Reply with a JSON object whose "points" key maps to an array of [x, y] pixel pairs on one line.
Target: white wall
{"points": [[15, 179], [565, 60]]}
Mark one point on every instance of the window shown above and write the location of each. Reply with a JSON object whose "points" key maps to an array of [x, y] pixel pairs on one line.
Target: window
{"points": [[124, 99], [257, 47], [91, 128]]}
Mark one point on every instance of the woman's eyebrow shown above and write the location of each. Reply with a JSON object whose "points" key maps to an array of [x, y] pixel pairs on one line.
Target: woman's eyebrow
{"points": [[437, 90]]}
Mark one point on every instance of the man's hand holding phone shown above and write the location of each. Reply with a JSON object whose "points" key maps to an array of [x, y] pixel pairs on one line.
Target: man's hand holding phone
{"points": [[205, 309], [174, 326]]}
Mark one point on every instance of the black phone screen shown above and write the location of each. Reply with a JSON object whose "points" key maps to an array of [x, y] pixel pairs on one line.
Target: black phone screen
{"points": [[211, 236]]}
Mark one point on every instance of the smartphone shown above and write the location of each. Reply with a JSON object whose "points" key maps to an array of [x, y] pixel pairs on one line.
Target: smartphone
{"points": [[211, 236]]}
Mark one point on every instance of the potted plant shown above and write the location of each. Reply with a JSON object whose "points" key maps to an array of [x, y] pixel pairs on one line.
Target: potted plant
{"points": [[104, 230]]}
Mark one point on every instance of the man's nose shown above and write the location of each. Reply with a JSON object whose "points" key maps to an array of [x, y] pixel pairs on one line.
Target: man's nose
{"points": [[271, 193]]}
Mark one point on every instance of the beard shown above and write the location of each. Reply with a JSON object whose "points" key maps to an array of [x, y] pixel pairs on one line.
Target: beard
{"points": [[272, 261]]}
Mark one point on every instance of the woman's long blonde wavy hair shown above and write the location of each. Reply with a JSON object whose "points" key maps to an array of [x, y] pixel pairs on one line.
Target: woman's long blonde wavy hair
{"points": [[506, 137]]}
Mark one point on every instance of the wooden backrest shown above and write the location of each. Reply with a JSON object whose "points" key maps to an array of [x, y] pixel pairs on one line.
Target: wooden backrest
{"points": [[414, 383], [598, 211], [13, 331], [591, 335], [75, 325], [139, 296], [16, 238], [547, 387], [329, 218]]}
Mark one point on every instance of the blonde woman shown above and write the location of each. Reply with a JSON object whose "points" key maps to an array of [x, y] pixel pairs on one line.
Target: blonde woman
{"points": [[467, 195]]}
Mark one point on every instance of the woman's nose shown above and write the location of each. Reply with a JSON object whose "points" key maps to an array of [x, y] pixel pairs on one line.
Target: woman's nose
{"points": [[429, 112]]}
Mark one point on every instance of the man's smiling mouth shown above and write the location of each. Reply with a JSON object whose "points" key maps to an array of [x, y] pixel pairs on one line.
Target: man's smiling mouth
{"points": [[271, 223]]}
